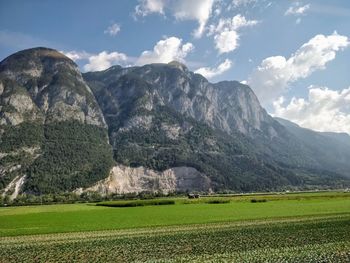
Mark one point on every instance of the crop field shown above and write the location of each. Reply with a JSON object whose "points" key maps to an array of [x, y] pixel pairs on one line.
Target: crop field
{"points": [[282, 228]]}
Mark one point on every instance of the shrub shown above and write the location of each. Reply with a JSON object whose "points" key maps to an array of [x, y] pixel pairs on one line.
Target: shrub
{"points": [[137, 203], [258, 200], [217, 201]]}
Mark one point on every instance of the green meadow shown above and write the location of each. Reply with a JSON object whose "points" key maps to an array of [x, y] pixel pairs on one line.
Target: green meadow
{"points": [[310, 227]]}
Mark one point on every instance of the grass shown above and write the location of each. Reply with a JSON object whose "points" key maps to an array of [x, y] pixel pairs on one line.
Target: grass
{"points": [[273, 228], [88, 217]]}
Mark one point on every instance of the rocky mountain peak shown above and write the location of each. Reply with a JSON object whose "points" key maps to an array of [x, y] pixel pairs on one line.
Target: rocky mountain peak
{"points": [[228, 105], [178, 65], [32, 62], [44, 85]]}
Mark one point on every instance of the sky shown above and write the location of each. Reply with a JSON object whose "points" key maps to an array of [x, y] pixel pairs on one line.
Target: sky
{"points": [[294, 54]]}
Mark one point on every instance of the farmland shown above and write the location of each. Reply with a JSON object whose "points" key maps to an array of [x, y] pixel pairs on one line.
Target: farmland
{"points": [[288, 228]]}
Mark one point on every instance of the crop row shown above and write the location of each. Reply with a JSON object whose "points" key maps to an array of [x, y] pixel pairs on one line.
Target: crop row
{"points": [[331, 252], [320, 240]]}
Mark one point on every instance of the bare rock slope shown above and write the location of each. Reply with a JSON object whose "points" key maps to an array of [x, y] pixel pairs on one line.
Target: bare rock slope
{"points": [[123, 179]]}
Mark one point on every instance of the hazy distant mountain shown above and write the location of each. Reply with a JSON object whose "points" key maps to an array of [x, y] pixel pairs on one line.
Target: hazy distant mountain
{"points": [[330, 149], [169, 129]]}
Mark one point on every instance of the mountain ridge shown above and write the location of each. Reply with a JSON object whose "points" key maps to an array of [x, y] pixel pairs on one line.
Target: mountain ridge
{"points": [[155, 83], [62, 131]]}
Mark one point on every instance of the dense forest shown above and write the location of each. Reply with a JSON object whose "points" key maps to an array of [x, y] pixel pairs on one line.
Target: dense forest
{"points": [[68, 155]]}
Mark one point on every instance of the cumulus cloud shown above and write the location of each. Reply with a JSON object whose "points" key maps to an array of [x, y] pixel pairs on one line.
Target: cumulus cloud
{"points": [[112, 30], [97, 62], [226, 41], [226, 35], [198, 10], [273, 76], [323, 110], [165, 51], [105, 60], [213, 72]]}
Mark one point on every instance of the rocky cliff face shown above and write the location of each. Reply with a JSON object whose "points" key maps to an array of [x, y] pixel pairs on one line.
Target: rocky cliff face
{"points": [[229, 105], [43, 85], [123, 179], [43, 102]]}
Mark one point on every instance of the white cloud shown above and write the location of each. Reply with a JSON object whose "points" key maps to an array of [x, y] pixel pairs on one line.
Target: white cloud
{"points": [[323, 110], [240, 21], [146, 7], [112, 30], [165, 51], [234, 24], [297, 9], [273, 76], [97, 62], [77, 55], [226, 34], [105, 60], [238, 3], [198, 10], [226, 41], [213, 72]]}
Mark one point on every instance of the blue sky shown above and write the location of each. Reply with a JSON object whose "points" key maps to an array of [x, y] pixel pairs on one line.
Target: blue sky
{"points": [[294, 54]]}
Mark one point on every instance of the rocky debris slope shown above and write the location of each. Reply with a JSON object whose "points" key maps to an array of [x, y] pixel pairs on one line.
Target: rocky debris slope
{"points": [[123, 179]]}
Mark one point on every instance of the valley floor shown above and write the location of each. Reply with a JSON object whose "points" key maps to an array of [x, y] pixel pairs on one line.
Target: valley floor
{"points": [[288, 228]]}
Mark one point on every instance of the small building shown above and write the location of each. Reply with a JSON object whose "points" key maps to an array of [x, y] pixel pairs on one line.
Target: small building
{"points": [[192, 196]]}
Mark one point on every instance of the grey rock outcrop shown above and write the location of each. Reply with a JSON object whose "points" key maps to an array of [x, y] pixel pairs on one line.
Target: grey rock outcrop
{"points": [[43, 85], [229, 105], [123, 180]]}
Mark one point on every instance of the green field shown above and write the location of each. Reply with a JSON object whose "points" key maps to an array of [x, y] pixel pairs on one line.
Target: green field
{"points": [[307, 227]]}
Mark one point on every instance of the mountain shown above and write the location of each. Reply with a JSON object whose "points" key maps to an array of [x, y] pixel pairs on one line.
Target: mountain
{"points": [[158, 127], [162, 116], [332, 150], [229, 105], [53, 133]]}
